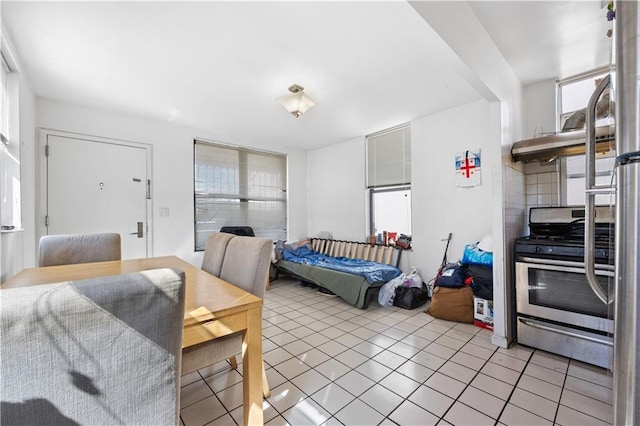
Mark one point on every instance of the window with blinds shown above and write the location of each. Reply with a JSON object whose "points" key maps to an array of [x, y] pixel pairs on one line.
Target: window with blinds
{"points": [[239, 187], [389, 157], [388, 165], [10, 196], [6, 112]]}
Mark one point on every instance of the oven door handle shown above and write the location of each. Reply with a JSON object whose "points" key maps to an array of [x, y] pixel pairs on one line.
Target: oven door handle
{"points": [[540, 326], [590, 185]]}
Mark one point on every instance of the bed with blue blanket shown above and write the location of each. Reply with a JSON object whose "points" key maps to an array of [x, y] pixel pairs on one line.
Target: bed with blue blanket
{"points": [[354, 271]]}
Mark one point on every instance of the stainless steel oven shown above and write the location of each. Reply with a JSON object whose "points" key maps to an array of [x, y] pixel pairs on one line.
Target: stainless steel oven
{"points": [[557, 310]]}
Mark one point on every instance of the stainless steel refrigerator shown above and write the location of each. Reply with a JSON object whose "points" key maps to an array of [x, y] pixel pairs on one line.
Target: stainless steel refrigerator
{"points": [[626, 379]]}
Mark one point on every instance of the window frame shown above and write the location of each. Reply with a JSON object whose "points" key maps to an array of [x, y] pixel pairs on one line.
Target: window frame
{"points": [[403, 169], [564, 174], [387, 189], [243, 180]]}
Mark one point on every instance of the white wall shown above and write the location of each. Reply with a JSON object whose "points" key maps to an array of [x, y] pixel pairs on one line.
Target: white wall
{"points": [[336, 190], [438, 206], [16, 249], [487, 70], [539, 108], [337, 196], [172, 174]]}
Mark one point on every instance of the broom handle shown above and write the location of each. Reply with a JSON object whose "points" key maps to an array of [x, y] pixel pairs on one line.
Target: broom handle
{"points": [[444, 259]]}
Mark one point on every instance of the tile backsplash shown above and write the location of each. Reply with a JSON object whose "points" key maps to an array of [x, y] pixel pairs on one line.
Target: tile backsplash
{"points": [[542, 184]]}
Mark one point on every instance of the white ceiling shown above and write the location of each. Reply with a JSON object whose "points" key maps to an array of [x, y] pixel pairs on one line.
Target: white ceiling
{"points": [[219, 66]]}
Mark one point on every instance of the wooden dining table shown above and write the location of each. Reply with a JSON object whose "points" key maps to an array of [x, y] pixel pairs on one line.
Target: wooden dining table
{"points": [[214, 308]]}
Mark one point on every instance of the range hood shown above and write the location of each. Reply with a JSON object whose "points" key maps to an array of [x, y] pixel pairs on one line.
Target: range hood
{"points": [[563, 144]]}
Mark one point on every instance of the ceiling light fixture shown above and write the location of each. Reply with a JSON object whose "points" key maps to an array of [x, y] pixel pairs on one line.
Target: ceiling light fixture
{"points": [[297, 103]]}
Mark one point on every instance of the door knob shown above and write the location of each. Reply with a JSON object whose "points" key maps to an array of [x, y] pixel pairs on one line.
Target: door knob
{"points": [[140, 232]]}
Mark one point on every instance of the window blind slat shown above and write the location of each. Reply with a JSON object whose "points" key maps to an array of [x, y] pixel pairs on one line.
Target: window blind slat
{"points": [[238, 187], [389, 158]]}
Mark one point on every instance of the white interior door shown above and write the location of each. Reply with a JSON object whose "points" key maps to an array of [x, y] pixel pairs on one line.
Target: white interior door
{"points": [[95, 186]]}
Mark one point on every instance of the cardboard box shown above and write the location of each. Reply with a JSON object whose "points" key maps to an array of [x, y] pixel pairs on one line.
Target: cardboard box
{"points": [[483, 313]]}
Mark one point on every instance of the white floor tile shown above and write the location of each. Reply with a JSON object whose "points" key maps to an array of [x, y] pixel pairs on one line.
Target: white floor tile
{"points": [[533, 403], [193, 393], [332, 348], [332, 369], [440, 350], [460, 415], [569, 417], [590, 373], [404, 349], [504, 360], [202, 412], [297, 347], [313, 357], [553, 362], [316, 339], [355, 383], [589, 389], [429, 360], [515, 416], [231, 397], [292, 368], [458, 372], [349, 340], [450, 387], [468, 361], [382, 341], [477, 351], [332, 398], [432, 400], [499, 372], [546, 374], [351, 358], [400, 384], [492, 386], [409, 414], [381, 399], [482, 401], [276, 356], [224, 379], [415, 371], [358, 413], [285, 396], [586, 405], [390, 359], [541, 388], [416, 341], [306, 412], [310, 381]]}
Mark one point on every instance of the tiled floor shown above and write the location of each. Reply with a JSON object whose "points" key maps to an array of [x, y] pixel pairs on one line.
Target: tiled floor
{"points": [[330, 363]]}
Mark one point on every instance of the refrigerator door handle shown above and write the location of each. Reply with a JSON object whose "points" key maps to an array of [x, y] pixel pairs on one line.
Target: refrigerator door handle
{"points": [[590, 179]]}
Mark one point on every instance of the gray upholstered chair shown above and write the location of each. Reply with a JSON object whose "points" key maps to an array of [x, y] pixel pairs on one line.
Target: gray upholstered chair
{"points": [[246, 265], [214, 252], [78, 248], [98, 351]]}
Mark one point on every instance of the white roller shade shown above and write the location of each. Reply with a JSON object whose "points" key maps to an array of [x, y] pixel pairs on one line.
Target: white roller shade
{"points": [[389, 157]]}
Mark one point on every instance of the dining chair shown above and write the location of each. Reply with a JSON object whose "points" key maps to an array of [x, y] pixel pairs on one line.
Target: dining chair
{"points": [[78, 248], [214, 252], [97, 351], [246, 265]]}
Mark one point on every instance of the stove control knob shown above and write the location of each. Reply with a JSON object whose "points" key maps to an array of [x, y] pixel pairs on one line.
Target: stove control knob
{"points": [[549, 249], [537, 249]]}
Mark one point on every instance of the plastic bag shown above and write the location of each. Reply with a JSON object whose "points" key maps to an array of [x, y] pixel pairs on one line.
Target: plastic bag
{"points": [[474, 256], [388, 291], [412, 279]]}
